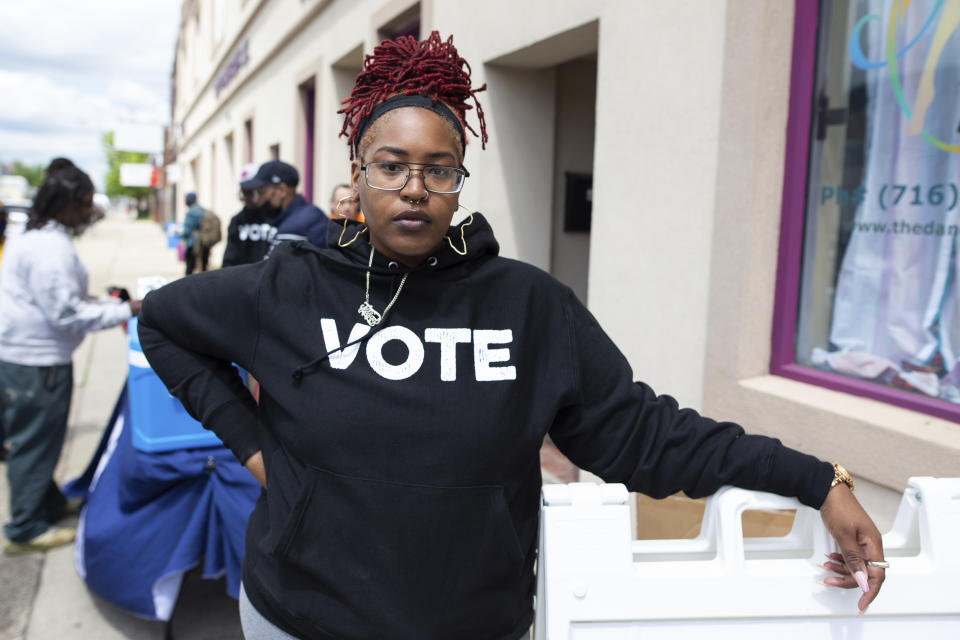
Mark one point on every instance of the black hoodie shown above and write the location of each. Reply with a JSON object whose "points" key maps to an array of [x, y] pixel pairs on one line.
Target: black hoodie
{"points": [[403, 471], [249, 236]]}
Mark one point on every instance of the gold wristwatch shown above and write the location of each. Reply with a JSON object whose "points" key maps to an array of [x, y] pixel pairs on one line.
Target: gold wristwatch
{"points": [[841, 475]]}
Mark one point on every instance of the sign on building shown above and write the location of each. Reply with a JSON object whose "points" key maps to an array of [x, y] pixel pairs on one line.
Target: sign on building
{"points": [[134, 174], [143, 138], [173, 173]]}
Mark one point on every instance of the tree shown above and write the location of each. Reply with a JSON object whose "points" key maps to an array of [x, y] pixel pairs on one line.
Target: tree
{"points": [[33, 173], [112, 185], [114, 159]]}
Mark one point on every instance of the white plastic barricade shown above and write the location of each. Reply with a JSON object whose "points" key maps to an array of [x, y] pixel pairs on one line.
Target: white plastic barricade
{"points": [[596, 583]]}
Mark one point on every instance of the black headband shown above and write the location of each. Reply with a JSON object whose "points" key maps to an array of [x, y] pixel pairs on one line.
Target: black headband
{"points": [[416, 100]]}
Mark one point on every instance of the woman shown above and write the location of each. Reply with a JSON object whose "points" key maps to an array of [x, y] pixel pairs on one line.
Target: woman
{"points": [[398, 440], [44, 314]]}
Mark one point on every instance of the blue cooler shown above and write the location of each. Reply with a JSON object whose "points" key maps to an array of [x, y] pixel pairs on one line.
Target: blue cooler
{"points": [[172, 230], [157, 419]]}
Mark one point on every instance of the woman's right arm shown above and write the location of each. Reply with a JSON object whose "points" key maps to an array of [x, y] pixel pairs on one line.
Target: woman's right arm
{"points": [[54, 282], [191, 332], [254, 465]]}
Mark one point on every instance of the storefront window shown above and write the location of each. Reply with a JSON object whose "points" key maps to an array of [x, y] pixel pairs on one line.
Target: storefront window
{"points": [[879, 297]]}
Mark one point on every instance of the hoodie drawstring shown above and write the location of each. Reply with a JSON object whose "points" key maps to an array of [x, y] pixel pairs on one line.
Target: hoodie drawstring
{"points": [[309, 367]]}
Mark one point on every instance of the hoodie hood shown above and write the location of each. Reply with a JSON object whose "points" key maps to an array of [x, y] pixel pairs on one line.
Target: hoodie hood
{"points": [[474, 233], [465, 244]]}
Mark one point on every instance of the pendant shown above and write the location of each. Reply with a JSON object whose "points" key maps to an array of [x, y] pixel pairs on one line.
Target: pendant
{"points": [[369, 314]]}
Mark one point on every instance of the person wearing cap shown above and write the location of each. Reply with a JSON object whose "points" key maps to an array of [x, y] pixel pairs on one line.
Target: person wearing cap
{"points": [[275, 187], [251, 231], [191, 222]]}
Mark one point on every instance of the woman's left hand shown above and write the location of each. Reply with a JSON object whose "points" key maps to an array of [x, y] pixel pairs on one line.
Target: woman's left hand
{"points": [[859, 541]]}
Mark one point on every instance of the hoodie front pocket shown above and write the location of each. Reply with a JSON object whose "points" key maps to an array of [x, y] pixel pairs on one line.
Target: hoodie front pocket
{"points": [[413, 559]]}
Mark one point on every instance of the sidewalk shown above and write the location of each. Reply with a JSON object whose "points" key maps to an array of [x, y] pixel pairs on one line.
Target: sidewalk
{"points": [[41, 595]]}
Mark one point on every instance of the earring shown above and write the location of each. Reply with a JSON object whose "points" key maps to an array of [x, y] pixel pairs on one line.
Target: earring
{"points": [[462, 239], [340, 204], [336, 211], [340, 242]]}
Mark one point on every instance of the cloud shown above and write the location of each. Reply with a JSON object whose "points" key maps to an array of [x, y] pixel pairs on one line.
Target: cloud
{"points": [[36, 148], [36, 101], [138, 101], [94, 36], [74, 70]]}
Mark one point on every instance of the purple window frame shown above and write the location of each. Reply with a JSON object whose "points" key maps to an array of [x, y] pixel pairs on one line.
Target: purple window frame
{"points": [[782, 353], [308, 95]]}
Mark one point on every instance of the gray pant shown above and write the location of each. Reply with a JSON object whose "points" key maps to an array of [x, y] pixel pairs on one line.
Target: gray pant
{"points": [[35, 402], [256, 627]]}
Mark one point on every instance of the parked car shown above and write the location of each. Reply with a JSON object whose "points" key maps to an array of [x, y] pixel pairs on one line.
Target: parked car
{"points": [[17, 214], [102, 204], [14, 188]]}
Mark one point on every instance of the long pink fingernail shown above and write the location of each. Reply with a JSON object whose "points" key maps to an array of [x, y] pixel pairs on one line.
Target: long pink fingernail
{"points": [[861, 579]]}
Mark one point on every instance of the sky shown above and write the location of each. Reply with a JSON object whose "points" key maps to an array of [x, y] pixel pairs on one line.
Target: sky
{"points": [[69, 71]]}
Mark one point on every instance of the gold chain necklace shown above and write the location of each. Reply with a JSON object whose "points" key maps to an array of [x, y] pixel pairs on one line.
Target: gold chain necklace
{"points": [[366, 310]]}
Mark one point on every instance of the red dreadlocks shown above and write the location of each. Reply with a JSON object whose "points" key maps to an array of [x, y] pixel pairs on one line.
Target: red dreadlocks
{"points": [[404, 66]]}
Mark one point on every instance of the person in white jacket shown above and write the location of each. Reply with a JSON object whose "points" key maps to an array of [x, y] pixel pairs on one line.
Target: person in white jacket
{"points": [[45, 311]]}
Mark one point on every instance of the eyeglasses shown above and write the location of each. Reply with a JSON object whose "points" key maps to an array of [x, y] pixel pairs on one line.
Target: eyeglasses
{"points": [[393, 176]]}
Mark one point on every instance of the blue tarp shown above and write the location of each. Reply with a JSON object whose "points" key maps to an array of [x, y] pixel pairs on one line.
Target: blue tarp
{"points": [[149, 517]]}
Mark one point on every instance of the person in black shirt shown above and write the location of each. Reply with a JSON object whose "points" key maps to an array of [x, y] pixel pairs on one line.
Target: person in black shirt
{"points": [[250, 231]]}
